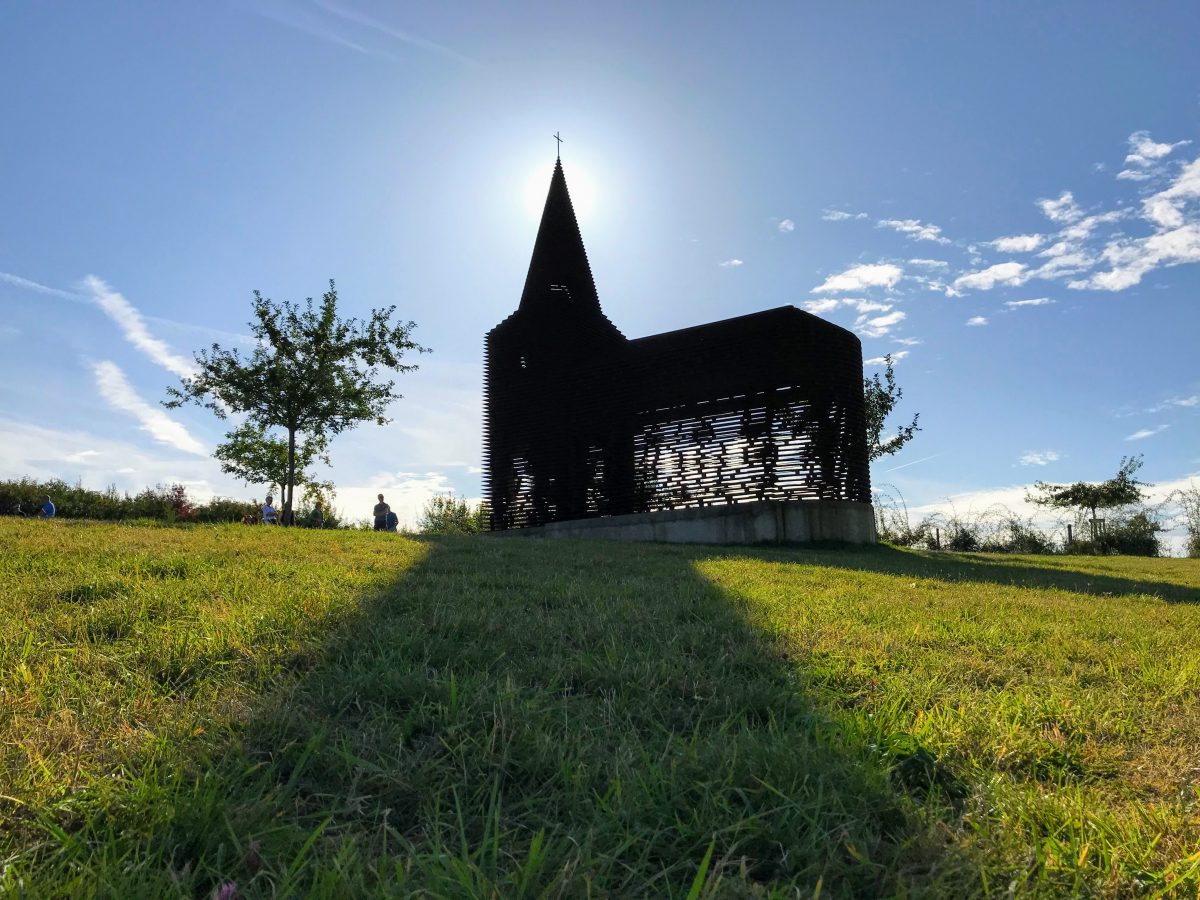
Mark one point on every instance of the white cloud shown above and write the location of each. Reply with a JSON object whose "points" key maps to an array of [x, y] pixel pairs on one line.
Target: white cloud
{"points": [[1018, 243], [882, 361], [1061, 210], [1166, 208], [1144, 433], [837, 215], [976, 321], [858, 278], [1064, 258], [730, 264], [915, 229], [1131, 259], [1013, 273], [1082, 229], [1176, 403], [907, 342], [1133, 175], [1162, 212], [935, 284], [133, 326], [1036, 301], [1040, 457], [1144, 152], [880, 325], [929, 263], [829, 304], [1069, 255], [787, 225], [820, 307], [115, 388], [866, 306]]}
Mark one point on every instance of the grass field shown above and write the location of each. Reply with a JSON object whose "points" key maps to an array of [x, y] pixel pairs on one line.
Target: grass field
{"points": [[333, 714]]}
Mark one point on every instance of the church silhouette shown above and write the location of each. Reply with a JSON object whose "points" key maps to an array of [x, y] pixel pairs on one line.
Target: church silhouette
{"points": [[581, 421]]}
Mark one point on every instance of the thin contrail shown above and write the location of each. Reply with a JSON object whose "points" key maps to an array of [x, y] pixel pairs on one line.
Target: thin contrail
{"points": [[913, 463]]}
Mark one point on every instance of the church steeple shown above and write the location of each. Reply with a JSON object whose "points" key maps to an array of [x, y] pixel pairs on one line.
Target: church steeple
{"points": [[559, 270]]}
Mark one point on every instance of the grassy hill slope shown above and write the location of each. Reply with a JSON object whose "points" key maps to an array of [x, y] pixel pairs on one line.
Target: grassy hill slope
{"points": [[333, 713]]}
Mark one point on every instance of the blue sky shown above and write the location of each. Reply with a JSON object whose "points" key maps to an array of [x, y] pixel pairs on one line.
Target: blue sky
{"points": [[1007, 201]]}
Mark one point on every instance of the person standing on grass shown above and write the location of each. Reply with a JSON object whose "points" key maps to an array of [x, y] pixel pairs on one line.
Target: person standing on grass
{"points": [[268, 512], [47, 510], [316, 518], [382, 510]]}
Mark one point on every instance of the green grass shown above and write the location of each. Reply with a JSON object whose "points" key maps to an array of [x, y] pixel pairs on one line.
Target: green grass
{"points": [[333, 714]]}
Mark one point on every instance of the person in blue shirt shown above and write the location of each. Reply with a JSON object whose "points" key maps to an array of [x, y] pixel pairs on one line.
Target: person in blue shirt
{"points": [[268, 513], [47, 509]]}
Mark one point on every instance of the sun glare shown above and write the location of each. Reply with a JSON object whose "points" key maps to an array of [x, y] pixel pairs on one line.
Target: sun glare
{"points": [[579, 185]]}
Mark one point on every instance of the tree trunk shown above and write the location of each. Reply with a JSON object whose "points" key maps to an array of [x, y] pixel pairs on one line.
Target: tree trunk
{"points": [[291, 477]]}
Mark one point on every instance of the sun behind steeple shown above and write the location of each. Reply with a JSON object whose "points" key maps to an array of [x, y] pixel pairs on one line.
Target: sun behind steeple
{"points": [[558, 269]]}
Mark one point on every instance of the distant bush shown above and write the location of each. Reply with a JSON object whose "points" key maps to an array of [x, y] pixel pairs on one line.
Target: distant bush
{"points": [[162, 503], [447, 514], [1129, 531], [995, 530]]}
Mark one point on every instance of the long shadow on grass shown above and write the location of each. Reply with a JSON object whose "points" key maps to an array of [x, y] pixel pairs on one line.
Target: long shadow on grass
{"points": [[527, 718], [981, 569]]}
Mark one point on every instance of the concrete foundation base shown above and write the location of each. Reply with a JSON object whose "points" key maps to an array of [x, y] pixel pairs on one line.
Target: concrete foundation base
{"points": [[761, 522]]}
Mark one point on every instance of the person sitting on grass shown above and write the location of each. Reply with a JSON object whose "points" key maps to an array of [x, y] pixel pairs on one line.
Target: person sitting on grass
{"points": [[392, 523], [47, 509], [268, 512], [381, 512]]}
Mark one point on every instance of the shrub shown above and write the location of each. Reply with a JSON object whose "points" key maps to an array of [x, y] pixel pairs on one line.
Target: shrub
{"points": [[224, 509], [1131, 532], [1189, 502], [447, 514]]}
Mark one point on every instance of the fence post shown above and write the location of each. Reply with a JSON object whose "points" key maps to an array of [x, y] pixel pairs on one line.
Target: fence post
{"points": [[937, 538], [1070, 535]]}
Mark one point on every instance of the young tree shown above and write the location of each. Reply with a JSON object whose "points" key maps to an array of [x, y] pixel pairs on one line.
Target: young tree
{"points": [[880, 398], [1120, 490], [311, 374]]}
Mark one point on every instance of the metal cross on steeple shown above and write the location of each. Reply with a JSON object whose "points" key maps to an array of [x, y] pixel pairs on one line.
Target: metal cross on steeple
{"points": [[557, 138]]}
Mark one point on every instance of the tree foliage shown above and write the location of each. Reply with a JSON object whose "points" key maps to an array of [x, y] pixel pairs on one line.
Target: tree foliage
{"points": [[1120, 490], [311, 375], [880, 398], [254, 454]]}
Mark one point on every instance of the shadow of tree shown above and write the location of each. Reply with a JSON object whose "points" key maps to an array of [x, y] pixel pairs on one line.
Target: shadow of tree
{"points": [[526, 718]]}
